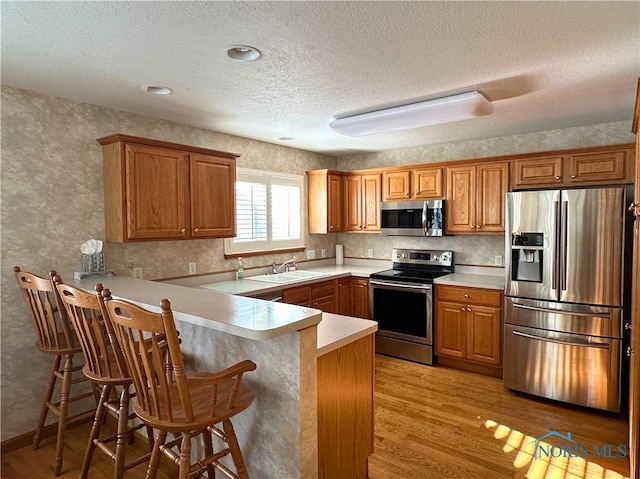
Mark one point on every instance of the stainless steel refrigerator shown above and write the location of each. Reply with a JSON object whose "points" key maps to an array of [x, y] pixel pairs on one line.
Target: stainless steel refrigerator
{"points": [[564, 263]]}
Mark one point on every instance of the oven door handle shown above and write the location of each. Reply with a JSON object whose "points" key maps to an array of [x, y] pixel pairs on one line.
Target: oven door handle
{"points": [[414, 286], [581, 344]]}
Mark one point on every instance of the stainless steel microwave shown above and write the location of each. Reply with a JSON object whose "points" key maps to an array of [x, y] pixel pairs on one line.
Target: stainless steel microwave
{"points": [[412, 218]]}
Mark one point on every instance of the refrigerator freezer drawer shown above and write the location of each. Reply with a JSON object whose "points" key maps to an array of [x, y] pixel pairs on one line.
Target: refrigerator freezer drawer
{"points": [[562, 317], [573, 368]]}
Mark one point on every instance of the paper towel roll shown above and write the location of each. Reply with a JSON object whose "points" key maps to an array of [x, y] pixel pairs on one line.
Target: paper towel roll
{"points": [[339, 254]]}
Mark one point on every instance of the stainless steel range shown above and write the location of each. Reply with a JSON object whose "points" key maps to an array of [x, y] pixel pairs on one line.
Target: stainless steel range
{"points": [[401, 302]]}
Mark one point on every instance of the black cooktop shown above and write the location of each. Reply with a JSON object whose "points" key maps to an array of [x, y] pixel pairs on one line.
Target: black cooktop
{"points": [[417, 266], [407, 276]]}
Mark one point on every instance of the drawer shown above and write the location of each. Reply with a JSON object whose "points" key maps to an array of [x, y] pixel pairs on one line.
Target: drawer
{"points": [[460, 294], [300, 296], [320, 290]]}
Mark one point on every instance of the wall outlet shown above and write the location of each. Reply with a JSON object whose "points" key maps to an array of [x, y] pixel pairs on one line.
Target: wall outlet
{"points": [[323, 252], [137, 273], [311, 254], [497, 260], [370, 253], [192, 268]]}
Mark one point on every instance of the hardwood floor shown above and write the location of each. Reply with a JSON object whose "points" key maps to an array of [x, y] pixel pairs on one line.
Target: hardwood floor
{"points": [[430, 422], [436, 422]]}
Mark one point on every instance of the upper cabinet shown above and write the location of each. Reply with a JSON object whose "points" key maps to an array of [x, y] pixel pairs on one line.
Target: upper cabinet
{"points": [[362, 202], [476, 198], [155, 190], [422, 183], [597, 166], [325, 201]]}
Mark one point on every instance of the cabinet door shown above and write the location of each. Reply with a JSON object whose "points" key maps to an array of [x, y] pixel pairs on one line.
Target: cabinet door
{"points": [[492, 187], [427, 183], [396, 185], [537, 171], [360, 298], [484, 334], [300, 296], [461, 199], [352, 202], [371, 202], [334, 199], [597, 167], [213, 182], [451, 329], [156, 193], [344, 296]]}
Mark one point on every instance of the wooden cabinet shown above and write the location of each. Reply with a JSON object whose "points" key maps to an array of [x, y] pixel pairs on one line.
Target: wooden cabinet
{"points": [[423, 183], [362, 198], [156, 190], [322, 295], [346, 382], [596, 166], [476, 198], [325, 201], [468, 326], [353, 297]]}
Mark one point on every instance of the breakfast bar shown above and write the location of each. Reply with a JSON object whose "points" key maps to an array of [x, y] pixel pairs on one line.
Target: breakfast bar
{"points": [[305, 360]]}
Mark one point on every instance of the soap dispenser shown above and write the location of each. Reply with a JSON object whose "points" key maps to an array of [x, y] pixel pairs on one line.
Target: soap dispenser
{"points": [[240, 269]]}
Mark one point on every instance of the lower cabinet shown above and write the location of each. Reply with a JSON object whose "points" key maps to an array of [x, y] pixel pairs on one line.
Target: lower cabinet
{"points": [[353, 297], [345, 410], [347, 296], [321, 295], [468, 328]]}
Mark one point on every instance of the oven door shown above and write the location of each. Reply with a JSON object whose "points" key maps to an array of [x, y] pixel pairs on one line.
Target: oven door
{"points": [[402, 310]]}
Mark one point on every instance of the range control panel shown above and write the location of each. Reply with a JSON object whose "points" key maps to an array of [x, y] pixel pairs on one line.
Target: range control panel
{"points": [[422, 257]]}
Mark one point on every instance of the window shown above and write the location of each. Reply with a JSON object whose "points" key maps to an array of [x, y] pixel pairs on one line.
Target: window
{"points": [[268, 212]]}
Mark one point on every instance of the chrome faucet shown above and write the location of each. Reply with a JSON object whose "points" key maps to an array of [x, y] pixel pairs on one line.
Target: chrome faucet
{"points": [[275, 269]]}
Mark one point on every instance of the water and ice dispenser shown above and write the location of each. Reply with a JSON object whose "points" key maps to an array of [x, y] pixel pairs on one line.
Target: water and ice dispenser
{"points": [[526, 257]]}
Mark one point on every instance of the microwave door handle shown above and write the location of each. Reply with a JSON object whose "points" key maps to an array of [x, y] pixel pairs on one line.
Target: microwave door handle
{"points": [[424, 218]]}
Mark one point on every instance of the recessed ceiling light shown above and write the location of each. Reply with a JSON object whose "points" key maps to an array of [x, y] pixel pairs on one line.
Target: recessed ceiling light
{"points": [[157, 89], [286, 138], [244, 53]]}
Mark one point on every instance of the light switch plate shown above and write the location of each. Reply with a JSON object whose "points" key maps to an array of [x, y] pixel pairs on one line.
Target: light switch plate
{"points": [[192, 268], [497, 260]]}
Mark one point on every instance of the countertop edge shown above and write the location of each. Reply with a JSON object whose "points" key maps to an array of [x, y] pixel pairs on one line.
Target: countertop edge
{"points": [[472, 281], [336, 331]]}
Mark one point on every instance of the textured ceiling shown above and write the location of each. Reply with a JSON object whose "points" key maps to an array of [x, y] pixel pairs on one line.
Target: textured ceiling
{"points": [[545, 65]]}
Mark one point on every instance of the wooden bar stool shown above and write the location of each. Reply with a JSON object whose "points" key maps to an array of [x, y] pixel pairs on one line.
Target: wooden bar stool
{"points": [[184, 405], [56, 337], [106, 368]]}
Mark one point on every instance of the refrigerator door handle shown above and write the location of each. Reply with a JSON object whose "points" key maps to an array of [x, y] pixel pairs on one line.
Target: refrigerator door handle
{"points": [[581, 344], [554, 267], [563, 248], [568, 313]]}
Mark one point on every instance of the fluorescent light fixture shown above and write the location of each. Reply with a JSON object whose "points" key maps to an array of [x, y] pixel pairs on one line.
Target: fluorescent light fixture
{"points": [[447, 109]]}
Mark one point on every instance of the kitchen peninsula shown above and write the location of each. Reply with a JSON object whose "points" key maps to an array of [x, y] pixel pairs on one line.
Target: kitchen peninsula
{"points": [[303, 356]]}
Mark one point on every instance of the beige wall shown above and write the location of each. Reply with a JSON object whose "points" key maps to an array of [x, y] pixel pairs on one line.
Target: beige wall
{"points": [[51, 193]]}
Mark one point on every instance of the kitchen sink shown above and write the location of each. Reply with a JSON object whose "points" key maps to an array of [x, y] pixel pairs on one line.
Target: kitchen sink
{"points": [[290, 277]]}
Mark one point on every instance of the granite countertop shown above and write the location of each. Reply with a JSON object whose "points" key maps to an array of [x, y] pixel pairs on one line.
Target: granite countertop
{"points": [[245, 317], [489, 281]]}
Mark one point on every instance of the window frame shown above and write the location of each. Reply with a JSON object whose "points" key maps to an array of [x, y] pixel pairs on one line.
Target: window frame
{"points": [[253, 248]]}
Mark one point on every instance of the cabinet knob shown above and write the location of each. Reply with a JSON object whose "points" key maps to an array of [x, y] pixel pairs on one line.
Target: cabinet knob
{"points": [[627, 326], [557, 178], [468, 309], [463, 308], [630, 352], [406, 194], [477, 228], [196, 230], [466, 295], [364, 227], [473, 227], [573, 176], [183, 231]]}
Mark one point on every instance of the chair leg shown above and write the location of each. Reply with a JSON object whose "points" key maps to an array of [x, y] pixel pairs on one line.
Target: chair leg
{"points": [[98, 420], [156, 453], [236, 453], [64, 407], [185, 456], [208, 452], [123, 433], [55, 364]]}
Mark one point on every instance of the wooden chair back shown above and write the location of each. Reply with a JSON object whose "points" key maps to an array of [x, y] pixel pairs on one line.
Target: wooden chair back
{"points": [[144, 337], [50, 321], [104, 361]]}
